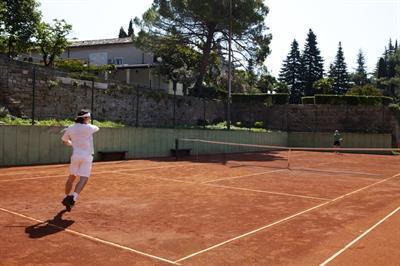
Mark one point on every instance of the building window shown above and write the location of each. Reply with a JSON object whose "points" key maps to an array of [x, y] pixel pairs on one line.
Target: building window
{"points": [[118, 60]]}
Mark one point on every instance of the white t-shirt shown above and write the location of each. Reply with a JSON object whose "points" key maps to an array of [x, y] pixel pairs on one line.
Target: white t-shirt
{"points": [[81, 136]]}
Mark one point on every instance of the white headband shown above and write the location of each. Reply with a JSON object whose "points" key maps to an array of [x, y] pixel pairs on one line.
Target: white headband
{"points": [[84, 116]]}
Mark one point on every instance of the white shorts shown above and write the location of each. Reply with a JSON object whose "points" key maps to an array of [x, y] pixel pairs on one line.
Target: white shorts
{"points": [[81, 165]]}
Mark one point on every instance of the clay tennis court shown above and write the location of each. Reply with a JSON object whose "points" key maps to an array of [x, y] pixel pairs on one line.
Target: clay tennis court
{"points": [[240, 209]]}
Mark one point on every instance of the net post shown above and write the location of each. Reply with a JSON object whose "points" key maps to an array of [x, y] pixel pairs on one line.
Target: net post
{"points": [[288, 163], [176, 149]]}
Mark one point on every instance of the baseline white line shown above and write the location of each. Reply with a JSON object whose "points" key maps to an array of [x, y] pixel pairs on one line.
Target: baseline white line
{"points": [[285, 219], [96, 239], [358, 238], [33, 178], [94, 173], [333, 171], [268, 192], [240, 176]]}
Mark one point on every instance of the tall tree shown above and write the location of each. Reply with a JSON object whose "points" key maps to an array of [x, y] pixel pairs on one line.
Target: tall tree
{"points": [[338, 72], [388, 73], [312, 64], [381, 71], [122, 33], [52, 40], [18, 23], [360, 76], [130, 29], [291, 73], [204, 27]]}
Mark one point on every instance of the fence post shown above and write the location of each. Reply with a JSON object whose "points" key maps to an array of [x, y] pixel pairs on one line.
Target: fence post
{"points": [[33, 94], [92, 101], [204, 112], [174, 112], [137, 106]]}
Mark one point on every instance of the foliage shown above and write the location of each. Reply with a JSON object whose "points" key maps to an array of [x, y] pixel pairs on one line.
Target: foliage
{"points": [[259, 124], [130, 29], [324, 86], [266, 82], [223, 126], [395, 108], [79, 70], [51, 40], [3, 112], [268, 99], [291, 73], [204, 27], [308, 100], [122, 33], [18, 23], [11, 120], [360, 76], [312, 67], [352, 100], [281, 87], [367, 90], [338, 73], [388, 72]]}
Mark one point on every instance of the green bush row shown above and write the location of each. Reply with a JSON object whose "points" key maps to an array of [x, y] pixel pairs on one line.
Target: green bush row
{"points": [[270, 99], [347, 100]]}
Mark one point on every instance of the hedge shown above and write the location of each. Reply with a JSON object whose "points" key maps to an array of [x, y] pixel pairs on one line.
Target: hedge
{"points": [[347, 100], [269, 99], [308, 100]]}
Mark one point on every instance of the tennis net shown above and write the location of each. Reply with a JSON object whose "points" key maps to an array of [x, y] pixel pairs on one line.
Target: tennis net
{"points": [[337, 160]]}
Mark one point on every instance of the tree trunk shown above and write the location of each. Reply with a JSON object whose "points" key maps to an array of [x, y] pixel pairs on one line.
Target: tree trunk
{"points": [[204, 59]]}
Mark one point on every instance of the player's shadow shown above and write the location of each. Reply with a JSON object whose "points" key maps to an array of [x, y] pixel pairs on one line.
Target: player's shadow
{"points": [[49, 227]]}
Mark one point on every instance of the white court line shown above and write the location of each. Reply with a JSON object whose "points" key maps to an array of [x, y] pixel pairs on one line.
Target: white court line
{"points": [[333, 171], [285, 219], [269, 192], [240, 176], [32, 178], [96, 239], [358, 238], [94, 173]]}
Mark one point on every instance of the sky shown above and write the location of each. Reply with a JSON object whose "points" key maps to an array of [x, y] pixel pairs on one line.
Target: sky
{"points": [[357, 24]]}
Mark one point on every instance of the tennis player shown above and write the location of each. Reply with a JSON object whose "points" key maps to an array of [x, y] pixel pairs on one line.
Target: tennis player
{"points": [[80, 137], [337, 139]]}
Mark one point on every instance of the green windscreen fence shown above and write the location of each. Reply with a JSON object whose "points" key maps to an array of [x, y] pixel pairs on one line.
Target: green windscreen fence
{"points": [[30, 145]]}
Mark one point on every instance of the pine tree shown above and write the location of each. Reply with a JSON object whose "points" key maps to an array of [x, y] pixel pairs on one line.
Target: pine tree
{"points": [[291, 73], [360, 76], [312, 64], [381, 71], [338, 72], [130, 29], [122, 33]]}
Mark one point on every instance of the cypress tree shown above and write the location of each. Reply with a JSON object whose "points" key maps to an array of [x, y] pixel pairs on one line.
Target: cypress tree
{"points": [[291, 73], [122, 33], [312, 64], [130, 29], [360, 76], [338, 72], [381, 71]]}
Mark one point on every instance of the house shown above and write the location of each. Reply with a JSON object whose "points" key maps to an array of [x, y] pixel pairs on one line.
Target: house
{"points": [[133, 65]]}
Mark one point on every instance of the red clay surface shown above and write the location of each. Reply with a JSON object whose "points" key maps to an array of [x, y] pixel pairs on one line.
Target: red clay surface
{"points": [[218, 210]]}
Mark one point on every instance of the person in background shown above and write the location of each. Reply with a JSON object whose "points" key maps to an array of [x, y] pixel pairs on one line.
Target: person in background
{"points": [[337, 140]]}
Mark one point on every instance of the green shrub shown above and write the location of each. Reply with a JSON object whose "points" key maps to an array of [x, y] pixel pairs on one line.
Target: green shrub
{"points": [[3, 112], [268, 99], [259, 124], [308, 100], [352, 100]]}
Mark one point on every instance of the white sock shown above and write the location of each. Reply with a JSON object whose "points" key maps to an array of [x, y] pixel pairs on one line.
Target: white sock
{"points": [[75, 195]]}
